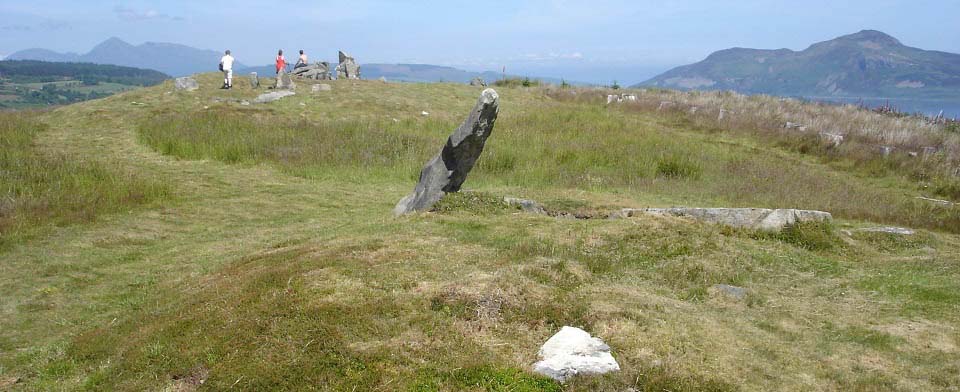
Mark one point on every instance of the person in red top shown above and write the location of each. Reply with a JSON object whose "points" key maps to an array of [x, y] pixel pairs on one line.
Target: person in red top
{"points": [[281, 62]]}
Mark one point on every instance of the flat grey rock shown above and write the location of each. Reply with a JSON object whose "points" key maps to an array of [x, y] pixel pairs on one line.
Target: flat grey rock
{"points": [[273, 96], [889, 230], [447, 171], [732, 291], [748, 218]]}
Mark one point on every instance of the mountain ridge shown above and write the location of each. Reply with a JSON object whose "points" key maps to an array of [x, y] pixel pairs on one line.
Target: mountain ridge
{"points": [[866, 63], [169, 58]]}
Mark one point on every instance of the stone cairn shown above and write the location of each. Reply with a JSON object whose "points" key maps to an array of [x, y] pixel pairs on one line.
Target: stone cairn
{"points": [[348, 67], [447, 171], [317, 71]]}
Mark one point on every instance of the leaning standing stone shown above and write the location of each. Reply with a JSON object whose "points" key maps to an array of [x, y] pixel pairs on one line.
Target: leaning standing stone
{"points": [[447, 171], [254, 80]]}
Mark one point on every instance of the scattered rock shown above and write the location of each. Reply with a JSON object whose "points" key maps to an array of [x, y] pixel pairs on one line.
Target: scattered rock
{"points": [[664, 105], [886, 150], [383, 79], [478, 82], [793, 125], [424, 113], [889, 230], [732, 291], [284, 81], [191, 381], [572, 352], [928, 151], [244, 103], [694, 109], [186, 83], [526, 205], [749, 218], [447, 171], [254, 80], [348, 67], [317, 71], [722, 114], [621, 98], [273, 96]]}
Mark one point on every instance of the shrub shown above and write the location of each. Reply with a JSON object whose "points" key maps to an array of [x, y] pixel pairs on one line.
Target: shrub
{"points": [[678, 166]]}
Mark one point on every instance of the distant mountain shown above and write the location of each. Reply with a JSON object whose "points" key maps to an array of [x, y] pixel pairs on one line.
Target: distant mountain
{"points": [[868, 63], [171, 59]]}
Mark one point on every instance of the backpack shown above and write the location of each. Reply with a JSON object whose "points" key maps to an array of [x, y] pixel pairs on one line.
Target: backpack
{"points": [[221, 67]]}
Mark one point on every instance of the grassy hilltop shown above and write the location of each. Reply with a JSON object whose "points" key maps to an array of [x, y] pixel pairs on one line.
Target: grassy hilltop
{"points": [[156, 239]]}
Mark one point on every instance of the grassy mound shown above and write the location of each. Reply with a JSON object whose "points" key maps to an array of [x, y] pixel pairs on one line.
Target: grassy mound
{"points": [[39, 188]]}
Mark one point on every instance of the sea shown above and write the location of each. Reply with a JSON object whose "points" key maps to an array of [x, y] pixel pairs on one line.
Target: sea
{"points": [[928, 107]]}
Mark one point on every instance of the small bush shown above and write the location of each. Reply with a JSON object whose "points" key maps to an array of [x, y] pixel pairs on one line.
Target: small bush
{"points": [[678, 166], [949, 190], [814, 236], [478, 203], [517, 82]]}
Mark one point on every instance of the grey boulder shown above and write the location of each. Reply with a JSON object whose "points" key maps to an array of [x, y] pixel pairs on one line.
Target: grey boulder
{"points": [[348, 67], [317, 71], [447, 171], [186, 83], [285, 82], [254, 80]]}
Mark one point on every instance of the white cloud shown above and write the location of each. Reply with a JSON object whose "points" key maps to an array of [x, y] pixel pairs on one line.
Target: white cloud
{"points": [[132, 15]]}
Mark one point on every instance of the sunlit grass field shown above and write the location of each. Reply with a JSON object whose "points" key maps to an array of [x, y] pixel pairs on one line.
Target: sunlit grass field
{"points": [[253, 247]]}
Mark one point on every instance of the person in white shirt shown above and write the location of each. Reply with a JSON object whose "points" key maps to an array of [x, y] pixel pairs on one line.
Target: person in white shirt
{"points": [[226, 65]]}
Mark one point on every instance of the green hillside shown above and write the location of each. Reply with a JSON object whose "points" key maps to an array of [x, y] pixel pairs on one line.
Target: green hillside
{"points": [[169, 240], [866, 64], [34, 84]]}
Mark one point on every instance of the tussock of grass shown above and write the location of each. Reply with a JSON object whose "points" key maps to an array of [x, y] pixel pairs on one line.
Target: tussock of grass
{"points": [[39, 188], [815, 236], [472, 202], [297, 146]]}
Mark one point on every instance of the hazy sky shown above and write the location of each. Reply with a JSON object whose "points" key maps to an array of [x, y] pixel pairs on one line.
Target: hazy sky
{"points": [[597, 40]]}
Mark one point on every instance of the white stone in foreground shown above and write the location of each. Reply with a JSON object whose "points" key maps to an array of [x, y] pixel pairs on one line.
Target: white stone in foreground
{"points": [[571, 352]]}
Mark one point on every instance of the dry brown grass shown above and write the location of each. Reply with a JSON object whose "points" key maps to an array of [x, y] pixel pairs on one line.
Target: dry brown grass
{"points": [[919, 145]]}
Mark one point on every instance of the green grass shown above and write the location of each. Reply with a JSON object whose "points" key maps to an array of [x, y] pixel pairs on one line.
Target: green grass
{"points": [[280, 266], [41, 189]]}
